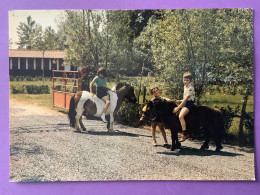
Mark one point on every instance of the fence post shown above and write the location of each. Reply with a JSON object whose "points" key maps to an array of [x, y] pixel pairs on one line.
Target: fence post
{"points": [[144, 94]]}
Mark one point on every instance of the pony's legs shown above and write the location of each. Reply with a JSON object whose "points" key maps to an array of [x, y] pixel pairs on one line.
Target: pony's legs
{"points": [[175, 142], [205, 145], [81, 124], [111, 122], [218, 145], [78, 118], [207, 130], [217, 139], [218, 134]]}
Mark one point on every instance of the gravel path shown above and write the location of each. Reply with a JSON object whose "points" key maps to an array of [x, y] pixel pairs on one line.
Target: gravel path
{"points": [[44, 148]]}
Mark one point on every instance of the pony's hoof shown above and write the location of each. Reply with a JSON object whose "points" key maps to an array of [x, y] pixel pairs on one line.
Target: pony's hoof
{"points": [[110, 130], [84, 129], [204, 147], [219, 148], [172, 149], [178, 145]]}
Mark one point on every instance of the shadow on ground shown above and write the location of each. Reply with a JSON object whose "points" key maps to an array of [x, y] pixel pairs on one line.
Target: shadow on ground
{"points": [[197, 152], [115, 133]]}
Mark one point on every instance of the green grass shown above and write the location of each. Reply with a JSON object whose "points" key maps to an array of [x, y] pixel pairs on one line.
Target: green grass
{"points": [[222, 100]]}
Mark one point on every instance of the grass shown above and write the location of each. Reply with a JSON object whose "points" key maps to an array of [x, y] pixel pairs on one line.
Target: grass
{"points": [[223, 100]]}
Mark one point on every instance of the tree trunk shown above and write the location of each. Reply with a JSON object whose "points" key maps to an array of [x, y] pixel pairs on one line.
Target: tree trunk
{"points": [[241, 123]]}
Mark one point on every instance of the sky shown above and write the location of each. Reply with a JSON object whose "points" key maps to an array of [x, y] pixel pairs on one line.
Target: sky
{"points": [[43, 17]]}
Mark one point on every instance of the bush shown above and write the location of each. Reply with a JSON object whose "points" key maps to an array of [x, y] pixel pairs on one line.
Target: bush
{"points": [[18, 89], [34, 89], [249, 121], [11, 78], [30, 89], [249, 125], [29, 78], [129, 114], [229, 114], [58, 88]]}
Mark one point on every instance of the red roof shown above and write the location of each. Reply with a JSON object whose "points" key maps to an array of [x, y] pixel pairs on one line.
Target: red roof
{"points": [[36, 54]]}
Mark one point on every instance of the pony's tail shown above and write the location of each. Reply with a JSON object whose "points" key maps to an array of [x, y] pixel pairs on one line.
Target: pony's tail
{"points": [[72, 112]]}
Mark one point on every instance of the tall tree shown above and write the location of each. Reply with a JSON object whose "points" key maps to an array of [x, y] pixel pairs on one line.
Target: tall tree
{"points": [[26, 33], [51, 39], [238, 55]]}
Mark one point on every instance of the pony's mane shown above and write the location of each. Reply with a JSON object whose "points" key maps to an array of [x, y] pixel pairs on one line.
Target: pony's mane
{"points": [[166, 104], [118, 86]]}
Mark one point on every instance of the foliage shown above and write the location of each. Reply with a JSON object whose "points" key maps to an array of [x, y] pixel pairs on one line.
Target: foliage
{"points": [[30, 89], [249, 122], [130, 114], [34, 89], [229, 114], [32, 36], [28, 78], [27, 32], [196, 41], [18, 89], [249, 125]]}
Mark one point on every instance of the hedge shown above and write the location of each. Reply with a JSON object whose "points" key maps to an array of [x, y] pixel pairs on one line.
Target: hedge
{"points": [[30, 89]]}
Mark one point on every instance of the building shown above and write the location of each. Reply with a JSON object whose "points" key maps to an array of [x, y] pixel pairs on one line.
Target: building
{"points": [[36, 63]]}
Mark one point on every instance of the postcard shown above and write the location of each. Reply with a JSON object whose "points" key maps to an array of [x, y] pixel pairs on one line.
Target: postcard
{"points": [[131, 95]]}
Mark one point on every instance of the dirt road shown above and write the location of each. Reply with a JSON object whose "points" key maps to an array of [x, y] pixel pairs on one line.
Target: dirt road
{"points": [[44, 148]]}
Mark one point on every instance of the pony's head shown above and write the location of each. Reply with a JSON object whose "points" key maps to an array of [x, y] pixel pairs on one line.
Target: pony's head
{"points": [[146, 112], [157, 108], [126, 92]]}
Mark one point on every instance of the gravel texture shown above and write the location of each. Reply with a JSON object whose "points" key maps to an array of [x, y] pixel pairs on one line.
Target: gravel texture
{"points": [[44, 148]]}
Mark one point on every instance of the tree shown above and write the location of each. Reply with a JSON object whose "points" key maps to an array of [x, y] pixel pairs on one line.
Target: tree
{"points": [[213, 44], [26, 33], [75, 29], [11, 42], [51, 40], [238, 56]]}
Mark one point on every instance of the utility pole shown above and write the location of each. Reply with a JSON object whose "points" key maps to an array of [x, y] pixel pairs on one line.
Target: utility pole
{"points": [[43, 65]]}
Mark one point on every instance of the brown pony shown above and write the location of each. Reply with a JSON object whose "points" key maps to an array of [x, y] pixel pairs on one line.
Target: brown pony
{"points": [[211, 120], [85, 102]]}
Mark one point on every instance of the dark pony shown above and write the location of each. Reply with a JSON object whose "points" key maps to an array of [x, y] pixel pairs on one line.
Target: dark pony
{"points": [[210, 120]]}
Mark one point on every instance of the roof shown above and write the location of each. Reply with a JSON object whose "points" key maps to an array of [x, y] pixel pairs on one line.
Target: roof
{"points": [[36, 54]]}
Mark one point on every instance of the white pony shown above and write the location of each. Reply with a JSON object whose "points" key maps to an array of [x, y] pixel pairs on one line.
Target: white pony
{"points": [[84, 101]]}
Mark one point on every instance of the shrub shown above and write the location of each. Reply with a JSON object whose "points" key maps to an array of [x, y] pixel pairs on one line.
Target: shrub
{"points": [[18, 89], [29, 78], [34, 89], [129, 114], [249, 125], [11, 78], [249, 121], [58, 88], [229, 114], [30, 89], [19, 78]]}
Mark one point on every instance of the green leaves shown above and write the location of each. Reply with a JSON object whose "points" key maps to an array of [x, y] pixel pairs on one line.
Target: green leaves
{"points": [[211, 43], [32, 36]]}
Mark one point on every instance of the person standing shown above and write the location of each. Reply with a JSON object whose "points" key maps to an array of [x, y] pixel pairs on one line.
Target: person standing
{"points": [[157, 121]]}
